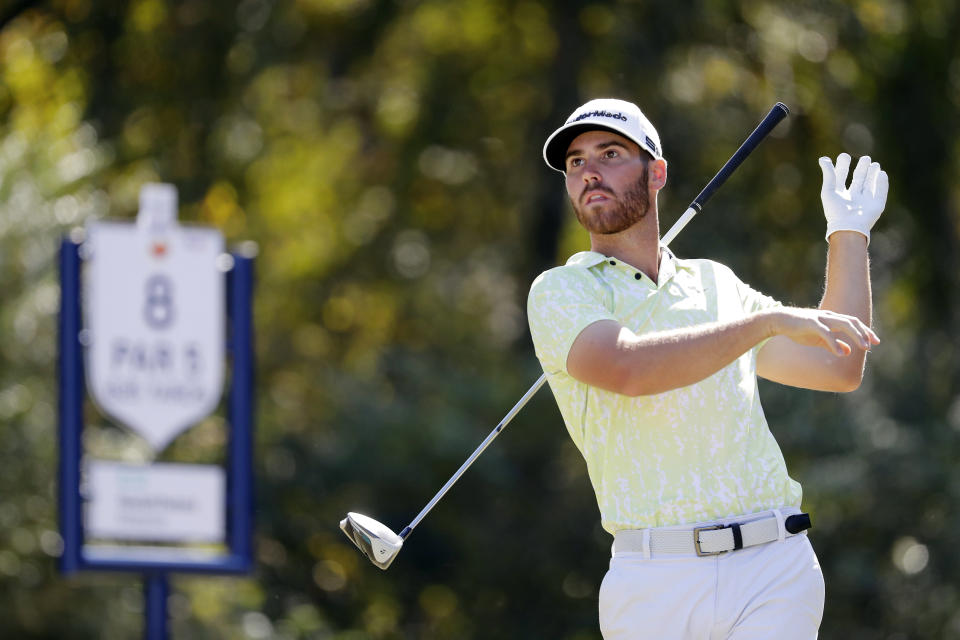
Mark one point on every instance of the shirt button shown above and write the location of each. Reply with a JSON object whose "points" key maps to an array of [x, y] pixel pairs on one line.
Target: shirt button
{"points": [[613, 262], [637, 276]]}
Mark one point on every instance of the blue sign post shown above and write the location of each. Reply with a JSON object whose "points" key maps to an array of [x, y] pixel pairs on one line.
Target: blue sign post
{"points": [[155, 563]]}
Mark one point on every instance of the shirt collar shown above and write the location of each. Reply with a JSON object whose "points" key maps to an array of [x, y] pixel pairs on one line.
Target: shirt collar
{"points": [[586, 259], [668, 266], [668, 262]]}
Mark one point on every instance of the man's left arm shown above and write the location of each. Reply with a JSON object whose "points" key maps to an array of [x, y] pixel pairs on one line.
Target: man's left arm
{"points": [[850, 215]]}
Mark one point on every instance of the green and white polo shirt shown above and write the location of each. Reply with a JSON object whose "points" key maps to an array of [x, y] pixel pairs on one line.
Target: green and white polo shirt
{"points": [[688, 455]]}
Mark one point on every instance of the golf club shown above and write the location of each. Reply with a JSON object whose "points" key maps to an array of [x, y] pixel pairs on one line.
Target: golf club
{"points": [[377, 541]]}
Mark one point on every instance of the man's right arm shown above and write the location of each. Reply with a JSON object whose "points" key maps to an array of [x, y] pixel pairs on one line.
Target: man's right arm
{"points": [[609, 356]]}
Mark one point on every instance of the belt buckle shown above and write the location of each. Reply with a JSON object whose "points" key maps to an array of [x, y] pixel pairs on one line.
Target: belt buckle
{"points": [[696, 540]]}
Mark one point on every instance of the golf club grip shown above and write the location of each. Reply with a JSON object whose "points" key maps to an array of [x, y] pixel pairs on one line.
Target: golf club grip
{"points": [[771, 120]]}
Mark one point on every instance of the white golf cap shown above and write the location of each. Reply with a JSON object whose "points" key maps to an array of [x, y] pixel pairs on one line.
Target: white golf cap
{"points": [[608, 114]]}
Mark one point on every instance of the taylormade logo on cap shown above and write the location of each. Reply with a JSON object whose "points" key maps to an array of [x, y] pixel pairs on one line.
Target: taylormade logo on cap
{"points": [[607, 114], [599, 114]]}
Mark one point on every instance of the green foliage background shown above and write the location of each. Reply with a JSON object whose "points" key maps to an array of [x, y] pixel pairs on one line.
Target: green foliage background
{"points": [[385, 156]]}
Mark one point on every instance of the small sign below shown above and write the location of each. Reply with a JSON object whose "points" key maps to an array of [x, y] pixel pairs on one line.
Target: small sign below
{"points": [[160, 502]]}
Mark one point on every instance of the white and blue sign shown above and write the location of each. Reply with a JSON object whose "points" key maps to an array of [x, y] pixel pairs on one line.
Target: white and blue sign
{"points": [[160, 312], [155, 319]]}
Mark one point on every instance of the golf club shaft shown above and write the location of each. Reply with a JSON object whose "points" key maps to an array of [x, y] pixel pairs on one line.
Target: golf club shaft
{"points": [[503, 423], [776, 114], [679, 224], [483, 445]]}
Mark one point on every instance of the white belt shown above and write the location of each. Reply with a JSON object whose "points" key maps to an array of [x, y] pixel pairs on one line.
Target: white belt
{"points": [[712, 539]]}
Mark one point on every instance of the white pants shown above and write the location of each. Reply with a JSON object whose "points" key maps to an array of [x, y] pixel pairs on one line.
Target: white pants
{"points": [[772, 590]]}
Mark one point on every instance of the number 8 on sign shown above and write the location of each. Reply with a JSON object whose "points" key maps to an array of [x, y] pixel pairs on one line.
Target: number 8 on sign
{"points": [[158, 310]]}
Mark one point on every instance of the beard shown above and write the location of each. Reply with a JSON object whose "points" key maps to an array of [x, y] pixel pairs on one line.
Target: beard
{"points": [[630, 209]]}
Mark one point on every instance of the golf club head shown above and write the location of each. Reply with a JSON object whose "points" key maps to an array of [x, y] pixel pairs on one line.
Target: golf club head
{"points": [[375, 540]]}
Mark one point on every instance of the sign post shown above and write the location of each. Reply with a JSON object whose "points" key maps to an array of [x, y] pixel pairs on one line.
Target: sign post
{"points": [[156, 589], [161, 310]]}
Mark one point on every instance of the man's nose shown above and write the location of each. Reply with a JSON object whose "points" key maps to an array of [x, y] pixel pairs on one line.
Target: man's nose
{"points": [[591, 172]]}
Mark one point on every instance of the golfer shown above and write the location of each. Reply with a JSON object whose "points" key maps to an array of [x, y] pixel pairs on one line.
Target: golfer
{"points": [[653, 361]]}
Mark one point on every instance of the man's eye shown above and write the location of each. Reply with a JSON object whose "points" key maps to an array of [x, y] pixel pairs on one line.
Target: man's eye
{"points": [[575, 162], [611, 153]]}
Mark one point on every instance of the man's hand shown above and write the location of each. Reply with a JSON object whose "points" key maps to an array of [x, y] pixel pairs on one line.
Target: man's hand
{"points": [[835, 332], [856, 208]]}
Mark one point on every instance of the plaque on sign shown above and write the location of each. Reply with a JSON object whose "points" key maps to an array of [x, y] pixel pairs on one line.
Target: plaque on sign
{"points": [[155, 316], [158, 502]]}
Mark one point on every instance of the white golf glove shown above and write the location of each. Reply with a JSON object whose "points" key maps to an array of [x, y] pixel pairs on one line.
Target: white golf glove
{"points": [[856, 208]]}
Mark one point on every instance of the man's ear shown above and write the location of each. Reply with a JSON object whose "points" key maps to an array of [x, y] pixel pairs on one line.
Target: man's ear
{"points": [[657, 172]]}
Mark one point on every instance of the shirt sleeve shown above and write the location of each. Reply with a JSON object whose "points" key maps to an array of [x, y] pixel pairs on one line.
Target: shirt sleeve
{"points": [[751, 301], [563, 302]]}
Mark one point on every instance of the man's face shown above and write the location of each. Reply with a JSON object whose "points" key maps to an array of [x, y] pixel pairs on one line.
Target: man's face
{"points": [[607, 181]]}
